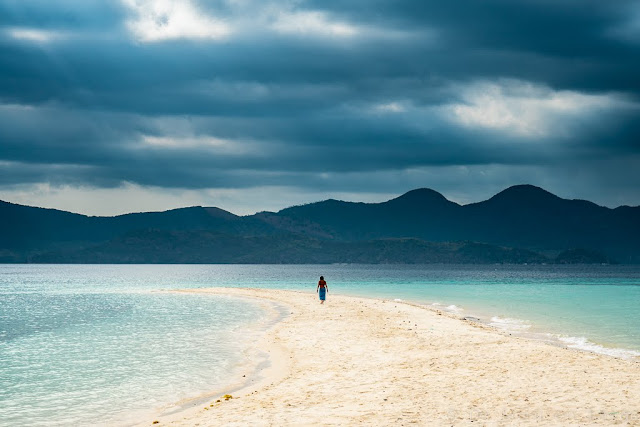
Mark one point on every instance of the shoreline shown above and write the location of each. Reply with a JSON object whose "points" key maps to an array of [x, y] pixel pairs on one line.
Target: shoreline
{"points": [[263, 362], [518, 327], [533, 332], [295, 341]]}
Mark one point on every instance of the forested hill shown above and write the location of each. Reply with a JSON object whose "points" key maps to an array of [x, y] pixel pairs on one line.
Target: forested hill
{"points": [[520, 224]]}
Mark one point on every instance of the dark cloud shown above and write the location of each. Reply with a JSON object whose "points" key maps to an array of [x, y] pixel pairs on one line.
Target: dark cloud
{"points": [[87, 16], [345, 96]]}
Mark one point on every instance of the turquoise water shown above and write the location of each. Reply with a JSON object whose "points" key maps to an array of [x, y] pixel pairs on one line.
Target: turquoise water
{"points": [[85, 344]]}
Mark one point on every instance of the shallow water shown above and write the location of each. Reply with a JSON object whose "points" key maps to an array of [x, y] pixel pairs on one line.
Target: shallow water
{"points": [[80, 346], [84, 344]]}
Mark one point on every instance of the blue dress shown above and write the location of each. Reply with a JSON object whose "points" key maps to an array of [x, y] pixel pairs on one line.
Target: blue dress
{"points": [[322, 293]]}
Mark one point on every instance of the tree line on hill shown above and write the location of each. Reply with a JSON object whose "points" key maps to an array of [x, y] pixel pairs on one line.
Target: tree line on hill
{"points": [[522, 224]]}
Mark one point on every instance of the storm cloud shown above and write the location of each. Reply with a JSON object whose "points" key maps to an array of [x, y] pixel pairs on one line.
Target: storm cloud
{"points": [[297, 100]]}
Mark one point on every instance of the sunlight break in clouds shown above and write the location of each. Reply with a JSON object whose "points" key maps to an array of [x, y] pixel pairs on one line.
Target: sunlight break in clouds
{"points": [[34, 35], [312, 23], [391, 107], [158, 20], [524, 109], [220, 146]]}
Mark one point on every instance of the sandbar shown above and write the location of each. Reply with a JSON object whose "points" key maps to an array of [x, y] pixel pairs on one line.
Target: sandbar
{"points": [[361, 361]]}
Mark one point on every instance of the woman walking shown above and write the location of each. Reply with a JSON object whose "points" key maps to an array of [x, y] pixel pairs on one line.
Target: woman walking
{"points": [[322, 290]]}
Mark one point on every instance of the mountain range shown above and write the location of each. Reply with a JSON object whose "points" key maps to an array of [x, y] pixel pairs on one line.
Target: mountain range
{"points": [[522, 224]]}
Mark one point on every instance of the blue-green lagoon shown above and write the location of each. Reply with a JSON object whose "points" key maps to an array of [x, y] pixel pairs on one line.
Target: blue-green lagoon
{"points": [[109, 344]]}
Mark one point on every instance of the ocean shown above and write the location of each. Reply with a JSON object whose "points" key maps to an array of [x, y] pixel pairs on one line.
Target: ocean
{"points": [[109, 344]]}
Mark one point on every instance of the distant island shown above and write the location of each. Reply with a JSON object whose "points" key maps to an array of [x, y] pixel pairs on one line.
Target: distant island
{"points": [[522, 224]]}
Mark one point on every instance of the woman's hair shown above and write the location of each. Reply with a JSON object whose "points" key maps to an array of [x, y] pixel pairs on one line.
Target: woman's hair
{"points": [[321, 277]]}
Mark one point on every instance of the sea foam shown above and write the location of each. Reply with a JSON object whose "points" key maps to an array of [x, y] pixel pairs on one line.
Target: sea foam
{"points": [[510, 324], [582, 343]]}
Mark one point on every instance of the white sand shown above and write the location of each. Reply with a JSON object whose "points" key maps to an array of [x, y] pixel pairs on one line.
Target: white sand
{"points": [[380, 362]]}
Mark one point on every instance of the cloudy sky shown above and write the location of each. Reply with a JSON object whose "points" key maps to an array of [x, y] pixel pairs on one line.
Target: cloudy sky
{"points": [[113, 106]]}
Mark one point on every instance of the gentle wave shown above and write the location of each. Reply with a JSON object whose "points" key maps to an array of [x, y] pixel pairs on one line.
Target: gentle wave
{"points": [[509, 324], [522, 326], [579, 343], [582, 343], [454, 309], [449, 309]]}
